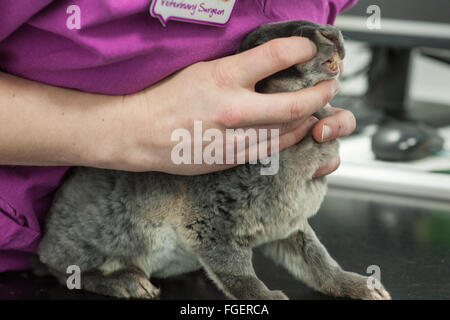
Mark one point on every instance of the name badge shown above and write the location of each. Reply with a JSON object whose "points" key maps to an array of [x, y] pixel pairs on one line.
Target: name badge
{"points": [[210, 12]]}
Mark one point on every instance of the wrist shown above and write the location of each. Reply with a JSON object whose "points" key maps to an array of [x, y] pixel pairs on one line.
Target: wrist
{"points": [[124, 140], [104, 143]]}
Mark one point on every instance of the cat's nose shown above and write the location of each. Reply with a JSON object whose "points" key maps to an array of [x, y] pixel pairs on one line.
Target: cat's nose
{"points": [[335, 36]]}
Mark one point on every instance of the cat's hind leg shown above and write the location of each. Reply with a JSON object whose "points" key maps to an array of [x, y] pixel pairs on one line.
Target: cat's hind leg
{"points": [[127, 283], [130, 282], [308, 260]]}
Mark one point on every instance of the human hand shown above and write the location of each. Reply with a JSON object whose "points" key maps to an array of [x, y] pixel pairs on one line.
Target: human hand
{"points": [[221, 94], [341, 124]]}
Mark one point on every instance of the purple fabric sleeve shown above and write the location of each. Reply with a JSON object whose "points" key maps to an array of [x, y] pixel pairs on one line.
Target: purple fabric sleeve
{"points": [[14, 13], [119, 49]]}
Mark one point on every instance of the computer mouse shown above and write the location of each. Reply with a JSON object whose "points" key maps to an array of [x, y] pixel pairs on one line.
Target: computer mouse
{"points": [[405, 141]]}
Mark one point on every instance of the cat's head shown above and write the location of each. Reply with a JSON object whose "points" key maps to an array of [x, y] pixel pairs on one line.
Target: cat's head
{"points": [[325, 65]]}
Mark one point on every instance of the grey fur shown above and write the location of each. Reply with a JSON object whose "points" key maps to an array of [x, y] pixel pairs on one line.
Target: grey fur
{"points": [[122, 228]]}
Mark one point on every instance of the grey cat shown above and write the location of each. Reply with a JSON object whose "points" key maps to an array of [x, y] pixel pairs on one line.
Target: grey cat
{"points": [[122, 228]]}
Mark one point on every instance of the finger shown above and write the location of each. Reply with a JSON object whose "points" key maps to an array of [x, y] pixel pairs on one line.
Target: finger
{"points": [[340, 124], [341, 68], [251, 66], [328, 167], [241, 145], [289, 139], [282, 107], [284, 127]]}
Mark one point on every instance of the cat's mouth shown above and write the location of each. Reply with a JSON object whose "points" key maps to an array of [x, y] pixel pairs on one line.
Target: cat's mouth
{"points": [[331, 66]]}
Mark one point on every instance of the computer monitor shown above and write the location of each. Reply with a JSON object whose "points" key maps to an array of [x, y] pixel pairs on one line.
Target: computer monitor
{"points": [[405, 25]]}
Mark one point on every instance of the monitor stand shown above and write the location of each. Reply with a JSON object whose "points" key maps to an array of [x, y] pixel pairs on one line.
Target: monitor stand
{"points": [[388, 81]]}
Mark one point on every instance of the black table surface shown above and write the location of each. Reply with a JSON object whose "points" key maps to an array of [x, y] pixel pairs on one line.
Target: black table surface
{"points": [[409, 242]]}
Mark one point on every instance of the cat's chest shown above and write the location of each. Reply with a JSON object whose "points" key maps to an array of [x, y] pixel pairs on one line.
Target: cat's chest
{"points": [[276, 216]]}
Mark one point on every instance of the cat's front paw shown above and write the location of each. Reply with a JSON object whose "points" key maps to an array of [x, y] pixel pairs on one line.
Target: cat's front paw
{"points": [[378, 294], [355, 286], [277, 295]]}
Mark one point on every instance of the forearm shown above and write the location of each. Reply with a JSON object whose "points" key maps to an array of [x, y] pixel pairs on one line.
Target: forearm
{"points": [[47, 125]]}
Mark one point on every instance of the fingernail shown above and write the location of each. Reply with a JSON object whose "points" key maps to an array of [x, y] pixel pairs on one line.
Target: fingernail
{"points": [[326, 132]]}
